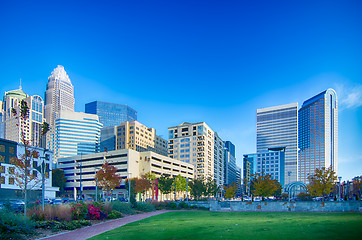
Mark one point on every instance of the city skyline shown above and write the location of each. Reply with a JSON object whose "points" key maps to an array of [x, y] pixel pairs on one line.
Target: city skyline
{"points": [[193, 62]]}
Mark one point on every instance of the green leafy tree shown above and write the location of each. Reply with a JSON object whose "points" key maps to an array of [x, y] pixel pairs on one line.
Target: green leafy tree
{"points": [[58, 179], [197, 188], [304, 196], [180, 184], [211, 187], [165, 184], [230, 191], [264, 186], [322, 182]]}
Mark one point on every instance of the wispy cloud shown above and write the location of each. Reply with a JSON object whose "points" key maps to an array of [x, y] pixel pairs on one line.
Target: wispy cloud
{"points": [[349, 96]]}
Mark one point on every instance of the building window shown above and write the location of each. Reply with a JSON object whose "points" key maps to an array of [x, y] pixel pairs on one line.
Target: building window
{"points": [[11, 170], [11, 150], [2, 148], [2, 159], [2, 180], [2, 169], [11, 181]]}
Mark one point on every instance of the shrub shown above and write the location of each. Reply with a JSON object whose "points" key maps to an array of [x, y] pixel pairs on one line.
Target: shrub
{"points": [[172, 205], [194, 207], [183, 205], [14, 226], [51, 212], [122, 207], [145, 207], [160, 205], [56, 225], [94, 212], [79, 211], [114, 215]]}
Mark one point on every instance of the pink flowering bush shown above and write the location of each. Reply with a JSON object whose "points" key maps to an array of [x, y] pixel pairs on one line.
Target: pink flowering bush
{"points": [[94, 212], [79, 211]]}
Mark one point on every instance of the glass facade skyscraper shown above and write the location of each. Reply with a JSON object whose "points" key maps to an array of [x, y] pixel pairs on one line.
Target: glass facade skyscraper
{"points": [[111, 114], [318, 134], [278, 127]]}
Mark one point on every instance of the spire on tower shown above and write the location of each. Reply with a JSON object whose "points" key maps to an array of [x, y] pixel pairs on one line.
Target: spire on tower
{"points": [[20, 84]]}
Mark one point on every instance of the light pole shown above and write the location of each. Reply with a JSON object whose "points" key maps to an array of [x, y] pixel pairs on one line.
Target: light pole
{"points": [[187, 193], [339, 198], [95, 177], [129, 188], [80, 177], [289, 188], [42, 170]]}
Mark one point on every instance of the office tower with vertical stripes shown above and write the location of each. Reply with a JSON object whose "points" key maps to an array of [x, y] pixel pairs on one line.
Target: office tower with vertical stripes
{"points": [[278, 127], [318, 134]]}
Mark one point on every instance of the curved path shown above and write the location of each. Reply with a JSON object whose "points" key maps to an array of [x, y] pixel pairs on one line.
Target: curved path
{"points": [[87, 232]]}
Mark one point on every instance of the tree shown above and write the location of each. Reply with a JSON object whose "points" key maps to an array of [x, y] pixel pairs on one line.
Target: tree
{"points": [[211, 187], [107, 177], [230, 191], [151, 177], [141, 185], [197, 188], [180, 184], [321, 183], [304, 196], [58, 179], [264, 186], [357, 187], [25, 172], [165, 184]]}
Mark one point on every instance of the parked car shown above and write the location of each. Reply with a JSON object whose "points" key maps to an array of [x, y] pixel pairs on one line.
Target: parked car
{"points": [[57, 201]]}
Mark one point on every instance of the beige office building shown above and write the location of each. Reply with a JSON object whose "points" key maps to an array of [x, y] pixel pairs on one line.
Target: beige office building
{"points": [[136, 136]]}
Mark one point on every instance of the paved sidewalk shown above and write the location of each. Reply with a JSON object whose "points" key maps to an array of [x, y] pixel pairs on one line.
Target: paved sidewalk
{"points": [[87, 232]]}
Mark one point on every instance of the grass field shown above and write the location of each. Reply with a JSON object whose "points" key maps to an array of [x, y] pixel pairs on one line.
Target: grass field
{"points": [[241, 225]]}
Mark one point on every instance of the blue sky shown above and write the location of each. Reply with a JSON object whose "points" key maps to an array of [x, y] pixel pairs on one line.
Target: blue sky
{"points": [[177, 61]]}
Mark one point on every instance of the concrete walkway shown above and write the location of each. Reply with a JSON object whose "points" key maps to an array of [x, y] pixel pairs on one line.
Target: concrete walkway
{"points": [[87, 232]]}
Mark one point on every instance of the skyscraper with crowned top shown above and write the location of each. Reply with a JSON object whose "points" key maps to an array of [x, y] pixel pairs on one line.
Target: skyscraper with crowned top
{"points": [[59, 95]]}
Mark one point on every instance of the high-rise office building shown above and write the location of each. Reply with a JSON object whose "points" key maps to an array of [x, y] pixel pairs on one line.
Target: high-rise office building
{"points": [[14, 126], [230, 167], [318, 134], [219, 162], [249, 169], [59, 96], [278, 127], [76, 133], [136, 136], [272, 162], [195, 143], [111, 114]]}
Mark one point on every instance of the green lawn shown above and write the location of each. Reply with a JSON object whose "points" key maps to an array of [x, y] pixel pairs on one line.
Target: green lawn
{"points": [[241, 225]]}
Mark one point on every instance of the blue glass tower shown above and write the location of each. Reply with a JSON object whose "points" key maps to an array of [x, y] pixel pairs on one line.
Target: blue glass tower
{"points": [[111, 114]]}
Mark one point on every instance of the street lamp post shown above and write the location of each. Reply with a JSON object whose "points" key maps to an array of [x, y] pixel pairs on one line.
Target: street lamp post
{"points": [[187, 193], [339, 198], [42, 170], [95, 177], [129, 187]]}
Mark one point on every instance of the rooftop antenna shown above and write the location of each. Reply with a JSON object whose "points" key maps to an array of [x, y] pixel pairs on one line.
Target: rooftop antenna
{"points": [[20, 84]]}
